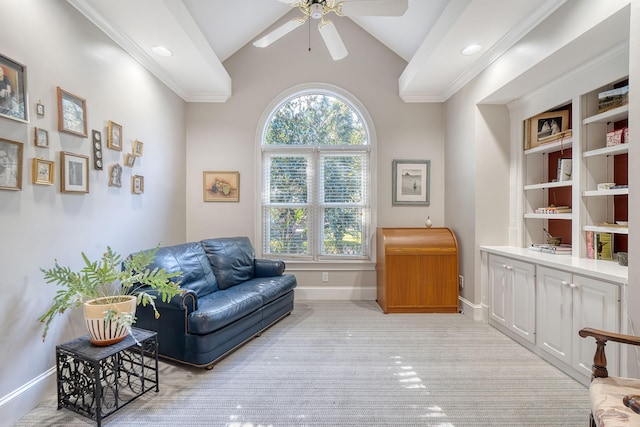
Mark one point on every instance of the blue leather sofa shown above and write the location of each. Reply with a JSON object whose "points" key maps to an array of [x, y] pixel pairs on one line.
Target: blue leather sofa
{"points": [[228, 298]]}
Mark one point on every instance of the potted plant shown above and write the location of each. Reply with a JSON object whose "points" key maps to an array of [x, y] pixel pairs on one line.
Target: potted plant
{"points": [[109, 290]]}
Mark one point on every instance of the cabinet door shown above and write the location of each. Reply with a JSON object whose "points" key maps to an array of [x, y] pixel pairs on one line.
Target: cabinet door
{"points": [[554, 319], [498, 278], [404, 287], [523, 299], [595, 305], [440, 281]]}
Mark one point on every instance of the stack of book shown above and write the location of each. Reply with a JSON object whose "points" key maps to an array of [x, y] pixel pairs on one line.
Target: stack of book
{"points": [[553, 210], [550, 249]]}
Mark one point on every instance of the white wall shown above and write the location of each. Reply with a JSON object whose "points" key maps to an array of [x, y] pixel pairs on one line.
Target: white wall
{"points": [[225, 137], [61, 48]]}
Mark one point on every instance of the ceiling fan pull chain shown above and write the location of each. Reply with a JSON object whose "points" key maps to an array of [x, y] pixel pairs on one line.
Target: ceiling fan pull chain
{"points": [[309, 35]]}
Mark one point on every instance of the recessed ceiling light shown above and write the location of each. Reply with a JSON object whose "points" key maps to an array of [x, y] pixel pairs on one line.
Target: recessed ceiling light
{"points": [[472, 49], [161, 51]]}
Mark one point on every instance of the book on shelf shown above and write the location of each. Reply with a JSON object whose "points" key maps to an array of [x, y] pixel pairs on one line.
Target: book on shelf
{"points": [[563, 249], [553, 210], [603, 246], [564, 169], [591, 245]]}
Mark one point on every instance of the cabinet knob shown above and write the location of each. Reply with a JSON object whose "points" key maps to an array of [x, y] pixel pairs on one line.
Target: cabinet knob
{"points": [[573, 285], [509, 267], [565, 283]]}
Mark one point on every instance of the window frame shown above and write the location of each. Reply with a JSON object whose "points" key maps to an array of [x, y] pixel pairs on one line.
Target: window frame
{"points": [[369, 210]]}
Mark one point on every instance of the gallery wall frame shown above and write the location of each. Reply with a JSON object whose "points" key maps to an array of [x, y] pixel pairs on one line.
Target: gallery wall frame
{"points": [[10, 164], [137, 148], [115, 175], [411, 182], [74, 173], [13, 90], [137, 184], [129, 160], [221, 186], [72, 113], [42, 172], [114, 136], [41, 138]]}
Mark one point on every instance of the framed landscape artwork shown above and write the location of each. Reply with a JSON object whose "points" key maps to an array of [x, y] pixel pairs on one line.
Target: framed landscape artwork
{"points": [[13, 90], [221, 186], [410, 182], [72, 113]]}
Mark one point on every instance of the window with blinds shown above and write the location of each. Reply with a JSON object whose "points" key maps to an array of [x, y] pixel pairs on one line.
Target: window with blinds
{"points": [[315, 160]]}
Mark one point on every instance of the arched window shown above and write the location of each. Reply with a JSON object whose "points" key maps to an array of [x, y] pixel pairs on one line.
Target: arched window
{"points": [[315, 187]]}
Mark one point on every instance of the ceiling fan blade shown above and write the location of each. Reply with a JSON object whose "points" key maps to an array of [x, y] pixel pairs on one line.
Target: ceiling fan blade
{"points": [[289, 2], [375, 8], [332, 39], [282, 30]]}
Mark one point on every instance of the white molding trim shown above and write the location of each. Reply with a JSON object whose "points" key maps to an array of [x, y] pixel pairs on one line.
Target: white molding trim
{"points": [[328, 293], [16, 402], [478, 312]]}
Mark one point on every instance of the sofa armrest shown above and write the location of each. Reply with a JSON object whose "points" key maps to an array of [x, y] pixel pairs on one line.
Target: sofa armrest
{"points": [[186, 301], [268, 267]]}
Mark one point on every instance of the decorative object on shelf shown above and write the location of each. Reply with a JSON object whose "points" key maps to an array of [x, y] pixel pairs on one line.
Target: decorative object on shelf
{"points": [[137, 148], [40, 109], [428, 223], [410, 182], [96, 136], [613, 98], [605, 185], [564, 169], [42, 171], [616, 137], [10, 165], [115, 175], [114, 139], [552, 240], [221, 186], [546, 127], [41, 138], [103, 284], [74, 173], [551, 249], [137, 184], [13, 90], [623, 258], [129, 160], [72, 113]]}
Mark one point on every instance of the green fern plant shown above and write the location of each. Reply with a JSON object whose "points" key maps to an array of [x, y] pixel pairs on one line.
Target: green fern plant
{"points": [[110, 277]]}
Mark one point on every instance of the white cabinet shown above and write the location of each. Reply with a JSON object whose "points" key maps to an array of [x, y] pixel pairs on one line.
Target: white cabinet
{"points": [[567, 303], [512, 296]]}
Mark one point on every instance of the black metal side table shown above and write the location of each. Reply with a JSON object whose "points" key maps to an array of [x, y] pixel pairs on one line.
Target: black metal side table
{"points": [[96, 381]]}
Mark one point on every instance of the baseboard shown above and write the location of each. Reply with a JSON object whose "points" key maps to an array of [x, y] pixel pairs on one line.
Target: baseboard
{"points": [[477, 312], [22, 400], [335, 293]]}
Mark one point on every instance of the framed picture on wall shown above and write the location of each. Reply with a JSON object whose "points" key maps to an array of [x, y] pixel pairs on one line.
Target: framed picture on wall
{"points": [[221, 186], [410, 182], [72, 113], [137, 184], [115, 175], [10, 165], [13, 90], [137, 148], [42, 172], [74, 173], [41, 138], [114, 136]]}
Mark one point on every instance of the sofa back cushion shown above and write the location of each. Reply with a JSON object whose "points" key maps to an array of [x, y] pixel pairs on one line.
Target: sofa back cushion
{"points": [[191, 259], [231, 259]]}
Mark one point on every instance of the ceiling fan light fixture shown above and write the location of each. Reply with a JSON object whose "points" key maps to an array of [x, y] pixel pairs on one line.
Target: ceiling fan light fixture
{"points": [[472, 49], [316, 11]]}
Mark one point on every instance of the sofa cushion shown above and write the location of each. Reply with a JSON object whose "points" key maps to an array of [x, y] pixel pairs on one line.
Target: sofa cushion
{"points": [[231, 259], [270, 289], [221, 308], [191, 259]]}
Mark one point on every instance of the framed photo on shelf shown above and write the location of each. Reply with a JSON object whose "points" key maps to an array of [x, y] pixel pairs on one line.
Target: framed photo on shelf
{"points": [[42, 172], [137, 148], [72, 113], [137, 184], [10, 165], [74, 170], [410, 182], [221, 186], [13, 90], [114, 136], [41, 138], [546, 127]]}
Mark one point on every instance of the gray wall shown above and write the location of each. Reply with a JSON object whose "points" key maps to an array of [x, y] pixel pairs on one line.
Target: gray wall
{"points": [[61, 48]]}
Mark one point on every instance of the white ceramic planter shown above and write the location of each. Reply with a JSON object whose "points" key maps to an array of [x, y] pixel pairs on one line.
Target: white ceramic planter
{"points": [[101, 330]]}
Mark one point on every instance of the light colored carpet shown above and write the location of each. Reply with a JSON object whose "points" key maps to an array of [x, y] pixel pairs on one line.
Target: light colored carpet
{"points": [[345, 363]]}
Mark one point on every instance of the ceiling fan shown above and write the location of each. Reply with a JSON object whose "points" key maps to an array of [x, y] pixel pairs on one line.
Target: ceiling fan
{"points": [[317, 9]]}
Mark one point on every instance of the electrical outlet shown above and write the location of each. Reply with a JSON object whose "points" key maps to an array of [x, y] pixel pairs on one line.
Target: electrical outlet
{"points": [[461, 281], [325, 276]]}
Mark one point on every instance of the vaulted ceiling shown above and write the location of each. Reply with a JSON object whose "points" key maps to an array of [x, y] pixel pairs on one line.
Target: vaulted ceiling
{"points": [[202, 34]]}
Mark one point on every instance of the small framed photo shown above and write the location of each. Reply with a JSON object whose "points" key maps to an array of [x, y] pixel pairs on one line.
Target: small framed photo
{"points": [[221, 186], [137, 184], [40, 109], [115, 175], [13, 90], [129, 160], [546, 127], [10, 165], [41, 138], [410, 182], [137, 148], [114, 136], [74, 173], [72, 113], [42, 172]]}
